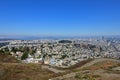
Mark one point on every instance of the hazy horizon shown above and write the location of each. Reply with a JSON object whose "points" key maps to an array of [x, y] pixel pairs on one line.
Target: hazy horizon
{"points": [[37, 37]]}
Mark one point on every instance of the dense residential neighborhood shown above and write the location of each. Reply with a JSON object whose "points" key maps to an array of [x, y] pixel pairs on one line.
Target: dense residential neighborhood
{"points": [[61, 53]]}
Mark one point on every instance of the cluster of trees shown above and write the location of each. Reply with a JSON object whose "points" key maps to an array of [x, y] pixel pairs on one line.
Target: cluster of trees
{"points": [[4, 51], [65, 41], [25, 50], [24, 56]]}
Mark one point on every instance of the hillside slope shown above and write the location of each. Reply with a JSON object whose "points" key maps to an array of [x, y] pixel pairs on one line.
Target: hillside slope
{"points": [[6, 58]]}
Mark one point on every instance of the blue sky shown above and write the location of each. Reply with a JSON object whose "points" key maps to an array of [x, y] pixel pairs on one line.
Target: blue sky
{"points": [[59, 17]]}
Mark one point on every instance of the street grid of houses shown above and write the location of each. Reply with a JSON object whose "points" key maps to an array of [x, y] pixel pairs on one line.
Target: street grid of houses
{"points": [[65, 54]]}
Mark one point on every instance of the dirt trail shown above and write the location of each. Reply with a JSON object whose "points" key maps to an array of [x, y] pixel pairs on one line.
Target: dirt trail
{"points": [[86, 65], [52, 69], [98, 60]]}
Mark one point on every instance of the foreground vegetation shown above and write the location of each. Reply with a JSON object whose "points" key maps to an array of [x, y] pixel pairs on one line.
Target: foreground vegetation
{"points": [[12, 69], [104, 70], [19, 71]]}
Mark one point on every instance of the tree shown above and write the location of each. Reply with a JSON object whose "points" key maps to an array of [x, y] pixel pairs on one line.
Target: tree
{"points": [[24, 56], [1, 51], [63, 56], [21, 48], [6, 50], [14, 50]]}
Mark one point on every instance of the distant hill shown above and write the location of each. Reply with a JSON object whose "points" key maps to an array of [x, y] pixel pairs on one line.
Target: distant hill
{"points": [[65, 41]]}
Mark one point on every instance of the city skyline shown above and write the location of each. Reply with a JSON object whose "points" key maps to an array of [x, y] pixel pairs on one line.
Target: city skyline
{"points": [[59, 17]]}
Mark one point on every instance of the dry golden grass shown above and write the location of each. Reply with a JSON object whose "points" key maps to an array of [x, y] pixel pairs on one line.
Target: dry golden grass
{"points": [[19, 71], [7, 58], [98, 71], [11, 69], [103, 65]]}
